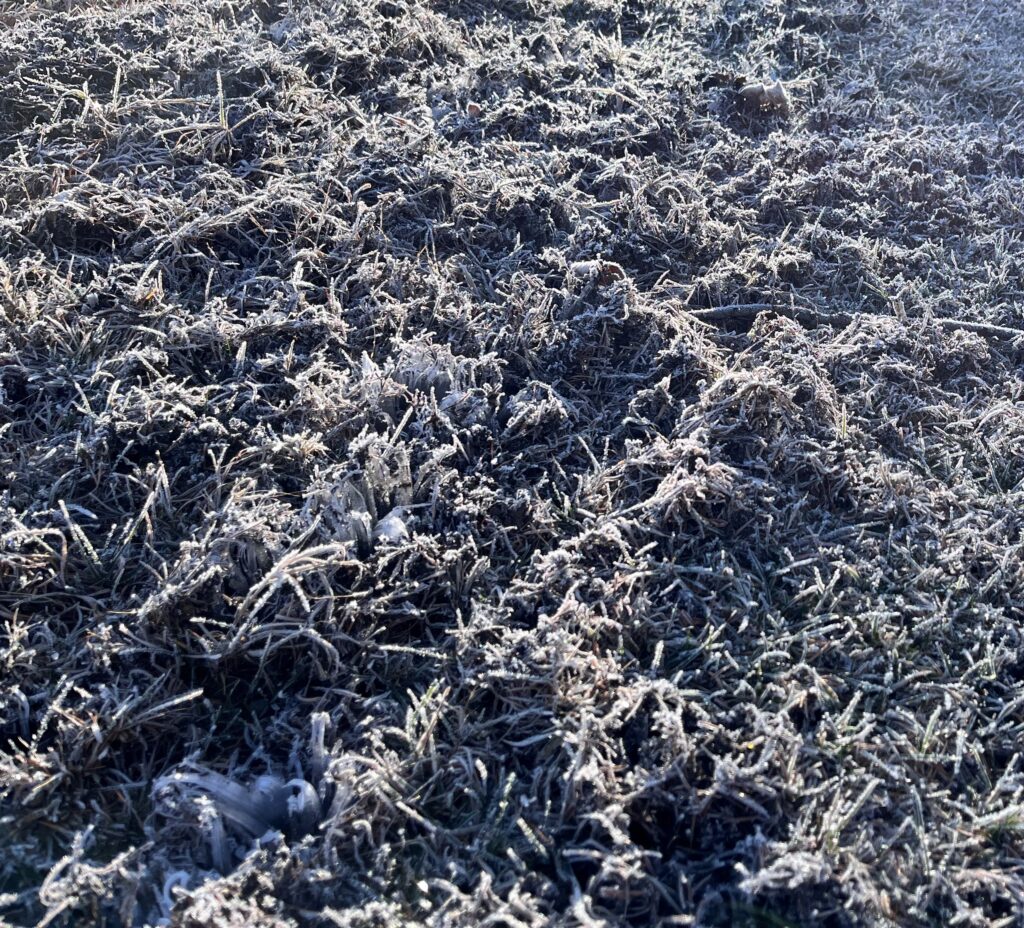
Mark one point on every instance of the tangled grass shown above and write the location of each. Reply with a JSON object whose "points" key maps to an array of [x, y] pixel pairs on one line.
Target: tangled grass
{"points": [[512, 464]]}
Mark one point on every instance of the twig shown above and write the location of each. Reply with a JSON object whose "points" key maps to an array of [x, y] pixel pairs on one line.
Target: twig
{"points": [[748, 312]]}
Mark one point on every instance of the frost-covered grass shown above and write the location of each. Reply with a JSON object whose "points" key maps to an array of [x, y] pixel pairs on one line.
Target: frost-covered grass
{"points": [[512, 464]]}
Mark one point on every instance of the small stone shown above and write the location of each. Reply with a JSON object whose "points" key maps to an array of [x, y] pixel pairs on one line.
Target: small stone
{"points": [[605, 272]]}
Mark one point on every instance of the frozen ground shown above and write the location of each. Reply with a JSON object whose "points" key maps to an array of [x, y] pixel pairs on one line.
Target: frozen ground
{"points": [[511, 464]]}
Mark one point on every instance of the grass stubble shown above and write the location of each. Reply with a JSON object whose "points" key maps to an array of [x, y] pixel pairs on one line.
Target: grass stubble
{"points": [[516, 464]]}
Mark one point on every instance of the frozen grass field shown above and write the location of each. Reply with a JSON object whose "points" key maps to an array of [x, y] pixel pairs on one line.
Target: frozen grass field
{"points": [[511, 464]]}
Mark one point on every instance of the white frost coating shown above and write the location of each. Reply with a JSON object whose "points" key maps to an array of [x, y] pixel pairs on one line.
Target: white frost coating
{"points": [[270, 804], [392, 528]]}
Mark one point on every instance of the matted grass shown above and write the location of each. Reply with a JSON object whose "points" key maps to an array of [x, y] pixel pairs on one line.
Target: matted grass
{"points": [[511, 464]]}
